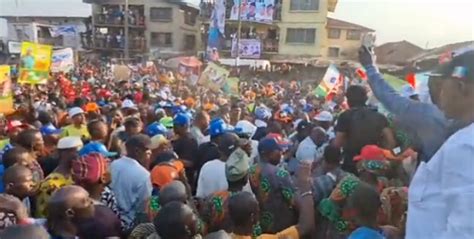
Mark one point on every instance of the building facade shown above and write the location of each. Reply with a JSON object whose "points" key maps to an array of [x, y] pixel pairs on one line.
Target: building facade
{"points": [[344, 39], [156, 28], [298, 28]]}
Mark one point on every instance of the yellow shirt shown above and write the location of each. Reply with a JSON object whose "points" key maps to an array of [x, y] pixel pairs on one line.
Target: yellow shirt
{"points": [[70, 130], [47, 187], [289, 233]]}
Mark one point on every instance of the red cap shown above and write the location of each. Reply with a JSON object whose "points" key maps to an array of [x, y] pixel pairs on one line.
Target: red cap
{"points": [[370, 152], [13, 124]]}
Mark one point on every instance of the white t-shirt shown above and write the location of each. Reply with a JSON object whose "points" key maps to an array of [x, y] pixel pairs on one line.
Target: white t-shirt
{"points": [[211, 179], [307, 150]]}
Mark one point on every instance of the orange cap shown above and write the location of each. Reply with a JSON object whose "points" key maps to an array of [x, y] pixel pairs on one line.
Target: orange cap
{"points": [[165, 173], [91, 107]]}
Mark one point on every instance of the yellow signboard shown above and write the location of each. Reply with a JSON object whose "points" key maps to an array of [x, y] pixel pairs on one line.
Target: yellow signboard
{"points": [[6, 95], [35, 63]]}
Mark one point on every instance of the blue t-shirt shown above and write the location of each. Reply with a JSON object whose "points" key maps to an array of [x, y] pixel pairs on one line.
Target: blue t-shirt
{"points": [[2, 171], [366, 233]]}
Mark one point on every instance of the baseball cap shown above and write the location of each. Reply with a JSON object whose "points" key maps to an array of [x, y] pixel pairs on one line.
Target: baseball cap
{"points": [[460, 66], [91, 107], [156, 128], [228, 142], [267, 145], [280, 140], [139, 140], [128, 104], [181, 119], [167, 122], [69, 142], [237, 165], [49, 129], [245, 127], [13, 124], [324, 116], [370, 152], [96, 147], [89, 168], [218, 126], [158, 140], [165, 173], [263, 113], [75, 111], [407, 91], [303, 125]]}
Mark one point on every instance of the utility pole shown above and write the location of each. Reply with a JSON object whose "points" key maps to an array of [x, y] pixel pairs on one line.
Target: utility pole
{"points": [[126, 50], [239, 29]]}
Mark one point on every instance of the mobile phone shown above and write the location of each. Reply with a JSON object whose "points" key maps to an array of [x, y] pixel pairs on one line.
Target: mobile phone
{"points": [[396, 151], [368, 41]]}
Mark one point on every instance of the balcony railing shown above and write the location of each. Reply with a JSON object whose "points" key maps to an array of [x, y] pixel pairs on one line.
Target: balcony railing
{"points": [[110, 20], [137, 44], [207, 7], [268, 45]]}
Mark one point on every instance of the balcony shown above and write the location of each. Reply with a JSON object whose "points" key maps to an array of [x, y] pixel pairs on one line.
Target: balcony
{"points": [[114, 16], [206, 8], [101, 42]]}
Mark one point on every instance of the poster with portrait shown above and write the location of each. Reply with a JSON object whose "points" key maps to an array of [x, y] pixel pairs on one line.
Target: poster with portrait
{"points": [[253, 10], [6, 94], [62, 60], [248, 48], [231, 87], [35, 62], [213, 77]]}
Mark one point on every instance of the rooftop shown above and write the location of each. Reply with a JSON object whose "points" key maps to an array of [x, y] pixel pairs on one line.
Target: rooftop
{"points": [[44, 8], [336, 23]]}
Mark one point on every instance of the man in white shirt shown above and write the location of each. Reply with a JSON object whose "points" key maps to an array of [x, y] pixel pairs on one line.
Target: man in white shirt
{"points": [[441, 195], [130, 179], [200, 125], [312, 147]]}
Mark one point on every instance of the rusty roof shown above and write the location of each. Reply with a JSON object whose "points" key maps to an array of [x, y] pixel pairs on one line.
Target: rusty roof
{"points": [[336, 23]]}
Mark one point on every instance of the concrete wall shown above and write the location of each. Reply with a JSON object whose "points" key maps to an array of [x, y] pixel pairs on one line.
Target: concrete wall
{"points": [[303, 19]]}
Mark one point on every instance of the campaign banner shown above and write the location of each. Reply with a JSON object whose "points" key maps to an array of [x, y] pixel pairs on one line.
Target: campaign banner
{"points": [[213, 77], [6, 94], [62, 60], [253, 10], [56, 31], [35, 62], [248, 48], [216, 30], [231, 86]]}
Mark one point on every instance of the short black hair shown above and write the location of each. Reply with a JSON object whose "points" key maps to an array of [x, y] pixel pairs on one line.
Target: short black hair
{"points": [[356, 96], [25, 138], [366, 200], [24, 232], [332, 155], [240, 210], [93, 126], [170, 222], [132, 122], [11, 156], [44, 117]]}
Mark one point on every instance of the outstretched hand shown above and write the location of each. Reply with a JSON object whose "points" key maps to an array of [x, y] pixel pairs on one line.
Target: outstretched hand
{"points": [[366, 56]]}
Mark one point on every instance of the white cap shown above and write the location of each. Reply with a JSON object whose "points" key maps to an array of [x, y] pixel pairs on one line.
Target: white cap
{"points": [[407, 91], [246, 127], [75, 111], [324, 116], [302, 101], [70, 142], [128, 104]]}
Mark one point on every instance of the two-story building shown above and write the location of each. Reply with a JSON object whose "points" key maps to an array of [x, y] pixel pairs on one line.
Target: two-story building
{"points": [[156, 28], [343, 39]]}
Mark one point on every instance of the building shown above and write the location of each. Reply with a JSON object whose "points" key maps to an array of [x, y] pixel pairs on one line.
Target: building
{"points": [[344, 39], [296, 29], [30, 21], [156, 28], [397, 53]]}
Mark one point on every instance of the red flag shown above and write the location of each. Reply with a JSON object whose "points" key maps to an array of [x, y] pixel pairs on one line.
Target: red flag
{"points": [[361, 73], [411, 79]]}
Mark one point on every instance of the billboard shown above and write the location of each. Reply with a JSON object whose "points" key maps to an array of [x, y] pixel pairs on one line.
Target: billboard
{"points": [[35, 61], [62, 60], [248, 48], [253, 10]]}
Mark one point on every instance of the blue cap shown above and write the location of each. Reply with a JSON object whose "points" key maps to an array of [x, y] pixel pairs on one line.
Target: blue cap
{"points": [[156, 128], [263, 113], [49, 129], [181, 119], [96, 147], [308, 108], [267, 145], [179, 109], [218, 126]]}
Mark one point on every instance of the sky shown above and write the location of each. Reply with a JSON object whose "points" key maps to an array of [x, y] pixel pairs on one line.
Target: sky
{"points": [[427, 23]]}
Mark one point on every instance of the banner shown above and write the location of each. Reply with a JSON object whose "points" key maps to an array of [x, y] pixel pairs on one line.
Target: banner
{"points": [[253, 10], [56, 31], [62, 60], [35, 61], [248, 48], [213, 77], [121, 72], [6, 94], [231, 87], [330, 80], [216, 29]]}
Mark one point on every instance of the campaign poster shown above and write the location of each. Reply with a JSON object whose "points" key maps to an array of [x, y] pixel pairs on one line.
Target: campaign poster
{"points": [[253, 10], [6, 94], [213, 77], [62, 60], [216, 30], [231, 87], [35, 63], [248, 48]]}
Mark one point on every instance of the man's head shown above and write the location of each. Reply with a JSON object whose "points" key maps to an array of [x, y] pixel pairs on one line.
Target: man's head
{"points": [[332, 158], [18, 181], [356, 96], [174, 191], [270, 150], [457, 92], [227, 143], [77, 116], [24, 232], [318, 135], [202, 120], [236, 169], [133, 125], [365, 203], [91, 170], [97, 129], [243, 209], [68, 148], [176, 220], [324, 119], [181, 123], [31, 140], [303, 129], [17, 155], [139, 148], [69, 204]]}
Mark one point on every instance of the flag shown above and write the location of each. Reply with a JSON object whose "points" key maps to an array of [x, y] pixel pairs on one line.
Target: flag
{"points": [[411, 79], [330, 80]]}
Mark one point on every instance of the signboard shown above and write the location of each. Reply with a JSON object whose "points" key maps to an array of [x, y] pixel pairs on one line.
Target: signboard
{"points": [[213, 77], [6, 95], [253, 10], [248, 48], [231, 87], [14, 47], [121, 72], [62, 60], [35, 62]]}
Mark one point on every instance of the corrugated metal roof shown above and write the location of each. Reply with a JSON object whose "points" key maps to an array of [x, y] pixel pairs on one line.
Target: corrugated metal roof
{"points": [[44, 8]]}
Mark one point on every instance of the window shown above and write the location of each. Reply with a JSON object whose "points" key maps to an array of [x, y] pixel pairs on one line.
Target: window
{"points": [[161, 14], [353, 35], [304, 5], [334, 33], [190, 18], [161, 39], [189, 42], [333, 52], [301, 35]]}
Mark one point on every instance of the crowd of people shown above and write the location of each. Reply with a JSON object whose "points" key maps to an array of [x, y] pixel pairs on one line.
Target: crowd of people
{"points": [[88, 156]]}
